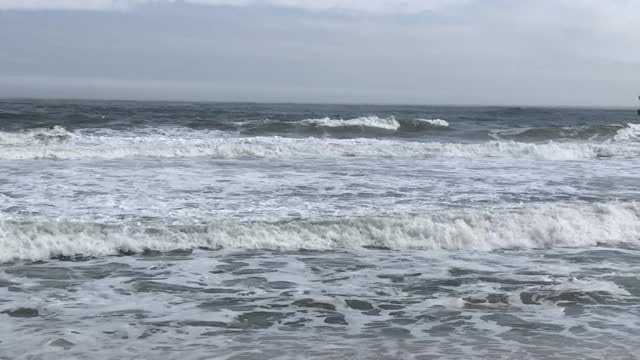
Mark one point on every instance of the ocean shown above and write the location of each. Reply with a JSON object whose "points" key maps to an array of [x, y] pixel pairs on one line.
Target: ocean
{"points": [[159, 230]]}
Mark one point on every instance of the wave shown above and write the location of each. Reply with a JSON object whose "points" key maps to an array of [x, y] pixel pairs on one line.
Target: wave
{"points": [[611, 132], [58, 143], [278, 147], [362, 124], [36, 136], [420, 127], [535, 226], [630, 132], [434, 122], [363, 127], [389, 123]]}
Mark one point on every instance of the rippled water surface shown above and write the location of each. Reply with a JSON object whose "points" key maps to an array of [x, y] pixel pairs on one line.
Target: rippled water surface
{"points": [[249, 231]]}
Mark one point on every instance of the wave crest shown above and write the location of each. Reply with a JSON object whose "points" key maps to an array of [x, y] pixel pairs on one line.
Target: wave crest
{"points": [[233, 147], [54, 134], [610, 132], [58, 143], [630, 132], [434, 122], [537, 226], [389, 123]]}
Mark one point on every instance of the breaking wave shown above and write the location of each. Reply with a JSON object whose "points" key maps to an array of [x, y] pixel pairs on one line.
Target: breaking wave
{"points": [[389, 123], [535, 226], [611, 132], [374, 124], [55, 134], [630, 132], [57, 143], [434, 122]]}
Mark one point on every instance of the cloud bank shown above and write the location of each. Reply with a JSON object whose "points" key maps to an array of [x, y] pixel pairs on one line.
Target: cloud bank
{"points": [[418, 51], [373, 6]]}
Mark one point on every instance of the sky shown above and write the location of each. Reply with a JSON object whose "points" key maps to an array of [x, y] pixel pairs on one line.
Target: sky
{"points": [[484, 52]]}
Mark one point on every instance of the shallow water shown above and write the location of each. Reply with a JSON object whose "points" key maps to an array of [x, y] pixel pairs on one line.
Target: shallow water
{"points": [[248, 231], [370, 303]]}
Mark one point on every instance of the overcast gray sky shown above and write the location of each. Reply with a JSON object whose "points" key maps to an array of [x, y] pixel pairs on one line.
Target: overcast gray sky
{"points": [[493, 52]]}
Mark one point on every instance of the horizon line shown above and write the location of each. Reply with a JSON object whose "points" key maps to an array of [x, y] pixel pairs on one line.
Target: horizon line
{"points": [[267, 102]]}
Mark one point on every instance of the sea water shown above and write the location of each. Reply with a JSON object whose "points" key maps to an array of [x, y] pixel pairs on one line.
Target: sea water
{"points": [[254, 231]]}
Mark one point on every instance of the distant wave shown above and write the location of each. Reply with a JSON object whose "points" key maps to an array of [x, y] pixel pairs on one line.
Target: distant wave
{"points": [[434, 122], [361, 127], [376, 123], [594, 132], [534, 226], [389, 123], [58, 143]]}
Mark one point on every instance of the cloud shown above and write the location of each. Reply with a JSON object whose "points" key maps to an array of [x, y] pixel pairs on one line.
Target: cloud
{"points": [[63, 4], [423, 51], [374, 6], [371, 6]]}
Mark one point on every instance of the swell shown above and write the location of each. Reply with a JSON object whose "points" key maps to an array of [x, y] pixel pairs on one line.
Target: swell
{"points": [[364, 126], [534, 226], [374, 126], [593, 132]]}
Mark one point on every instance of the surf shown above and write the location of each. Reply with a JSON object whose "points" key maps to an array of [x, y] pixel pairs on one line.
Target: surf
{"points": [[526, 227]]}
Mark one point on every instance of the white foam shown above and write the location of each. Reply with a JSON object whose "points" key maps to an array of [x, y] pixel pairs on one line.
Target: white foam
{"points": [[539, 226], [435, 122], [181, 142], [389, 123], [631, 132], [41, 136]]}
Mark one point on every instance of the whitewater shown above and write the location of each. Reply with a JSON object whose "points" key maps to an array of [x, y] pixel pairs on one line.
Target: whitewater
{"points": [[191, 230]]}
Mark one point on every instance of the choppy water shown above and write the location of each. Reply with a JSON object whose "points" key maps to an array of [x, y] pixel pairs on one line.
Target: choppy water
{"points": [[184, 230]]}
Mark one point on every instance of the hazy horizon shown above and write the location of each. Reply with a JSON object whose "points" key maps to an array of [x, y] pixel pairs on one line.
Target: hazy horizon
{"points": [[381, 104]]}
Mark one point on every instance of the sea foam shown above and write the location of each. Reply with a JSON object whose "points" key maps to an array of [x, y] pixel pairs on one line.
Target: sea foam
{"points": [[533, 226], [434, 122], [389, 123], [630, 132], [58, 143]]}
